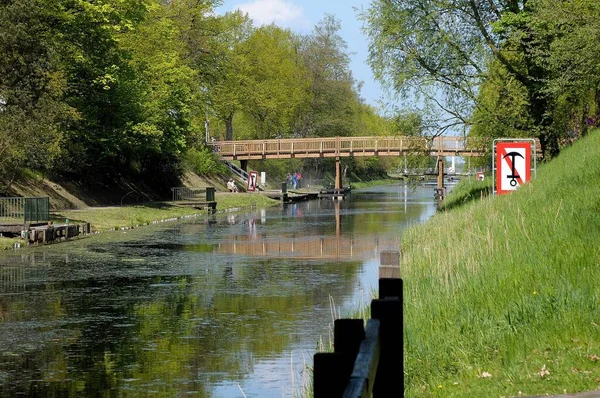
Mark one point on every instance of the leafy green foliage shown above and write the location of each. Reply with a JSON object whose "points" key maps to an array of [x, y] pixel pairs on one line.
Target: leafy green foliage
{"points": [[502, 68], [117, 90], [203, 162]]}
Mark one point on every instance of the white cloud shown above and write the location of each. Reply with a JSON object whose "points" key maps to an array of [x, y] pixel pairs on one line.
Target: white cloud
{"points": [[280, 12]]}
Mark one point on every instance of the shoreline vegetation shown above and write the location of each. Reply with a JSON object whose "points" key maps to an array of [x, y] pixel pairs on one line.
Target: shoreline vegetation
{"points": [[109, 218], [501, 293]]}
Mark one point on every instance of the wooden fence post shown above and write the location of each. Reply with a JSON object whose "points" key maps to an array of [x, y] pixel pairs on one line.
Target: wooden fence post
{"points": [[332, 371], [390, 372]]}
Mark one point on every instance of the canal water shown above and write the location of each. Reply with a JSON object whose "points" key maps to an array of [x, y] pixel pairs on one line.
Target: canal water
{"points": [[227, 305]]}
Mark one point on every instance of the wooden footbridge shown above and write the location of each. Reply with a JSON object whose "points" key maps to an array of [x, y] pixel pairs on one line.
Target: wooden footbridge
{"points": [[328, 147], [338, 147]]}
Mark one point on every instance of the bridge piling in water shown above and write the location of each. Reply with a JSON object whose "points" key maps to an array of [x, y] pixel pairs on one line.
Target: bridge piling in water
{"points": [[440, 190]]}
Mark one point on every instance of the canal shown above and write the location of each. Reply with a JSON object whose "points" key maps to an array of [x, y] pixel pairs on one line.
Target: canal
{"points": [[228, 305]]}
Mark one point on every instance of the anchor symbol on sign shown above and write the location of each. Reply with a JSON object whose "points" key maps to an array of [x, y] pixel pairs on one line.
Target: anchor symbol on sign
{"points": [[514, 175]]}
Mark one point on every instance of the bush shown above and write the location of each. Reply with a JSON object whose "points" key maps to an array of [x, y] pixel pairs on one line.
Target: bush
{"points": [[204, 162]]}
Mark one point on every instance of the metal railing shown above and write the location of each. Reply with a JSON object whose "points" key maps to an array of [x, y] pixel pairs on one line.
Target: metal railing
{"points": [[24, 210], [198, 194]]}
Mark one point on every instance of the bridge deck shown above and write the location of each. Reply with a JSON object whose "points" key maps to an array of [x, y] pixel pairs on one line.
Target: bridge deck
{"points": [[351, 146]]}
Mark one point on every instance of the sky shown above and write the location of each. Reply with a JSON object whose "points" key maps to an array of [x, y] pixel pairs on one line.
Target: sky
{"points": [[302, 15]]}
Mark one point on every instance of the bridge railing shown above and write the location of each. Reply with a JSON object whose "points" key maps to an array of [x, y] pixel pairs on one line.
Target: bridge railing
{"points": [[355, 146], [351, 146]]}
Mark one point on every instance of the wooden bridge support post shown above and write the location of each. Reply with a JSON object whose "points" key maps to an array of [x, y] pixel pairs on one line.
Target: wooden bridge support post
{"points": [[440, 179], [338, 173]]}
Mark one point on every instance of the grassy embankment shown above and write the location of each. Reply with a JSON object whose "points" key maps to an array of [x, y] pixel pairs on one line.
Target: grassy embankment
{"points": [[366, 184], [501, 294], [110, 218]]}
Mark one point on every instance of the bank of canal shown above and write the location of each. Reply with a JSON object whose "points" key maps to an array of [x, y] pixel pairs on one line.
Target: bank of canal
{"points": [[210, 306]]}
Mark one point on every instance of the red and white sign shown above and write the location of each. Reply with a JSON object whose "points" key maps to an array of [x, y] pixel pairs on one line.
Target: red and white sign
{"points": [[252, 181], [480, 176], [513, 165]]}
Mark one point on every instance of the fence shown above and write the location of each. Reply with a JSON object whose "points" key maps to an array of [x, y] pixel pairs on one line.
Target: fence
{"points": [[185, 193], [199, 198], [367, 361], [20, 210]]}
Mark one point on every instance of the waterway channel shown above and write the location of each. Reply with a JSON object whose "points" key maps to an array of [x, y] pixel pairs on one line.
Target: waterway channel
{"points": [[227, 305]]}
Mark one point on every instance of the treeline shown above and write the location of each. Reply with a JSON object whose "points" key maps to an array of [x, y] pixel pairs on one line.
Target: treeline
{"points": [[495, 68], [99, 91]]}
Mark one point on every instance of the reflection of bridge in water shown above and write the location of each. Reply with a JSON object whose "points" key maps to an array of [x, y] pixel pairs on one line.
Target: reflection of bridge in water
{"points": [[308, 247], [331, 247]]}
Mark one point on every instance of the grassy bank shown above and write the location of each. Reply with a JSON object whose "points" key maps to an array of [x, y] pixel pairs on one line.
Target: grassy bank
{"points": [[106, 218], [502, 294], [466, 191], [110, 218], [366, 184]]}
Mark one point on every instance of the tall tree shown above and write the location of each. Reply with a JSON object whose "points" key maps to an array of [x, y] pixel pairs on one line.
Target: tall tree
{"points": [[227, 87], [32, 82], [572, 29], [440, 48], [276, 80], [334, 106]]}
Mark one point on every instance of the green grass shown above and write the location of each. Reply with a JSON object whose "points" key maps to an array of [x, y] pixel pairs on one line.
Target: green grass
{"points": [[467, 190], [108, 218], [501, 295], [366, 184], [9, 243]]}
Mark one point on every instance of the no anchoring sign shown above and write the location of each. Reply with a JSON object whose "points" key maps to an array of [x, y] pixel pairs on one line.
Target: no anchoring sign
{"points": [[252, 181], [513, 165]]}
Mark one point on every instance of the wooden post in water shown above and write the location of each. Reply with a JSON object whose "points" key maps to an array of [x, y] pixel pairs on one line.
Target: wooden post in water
{"points": [[284, 192], [440, 190]]}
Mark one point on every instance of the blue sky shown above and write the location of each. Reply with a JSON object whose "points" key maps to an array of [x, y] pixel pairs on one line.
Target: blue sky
{"points": [[302, 15]]}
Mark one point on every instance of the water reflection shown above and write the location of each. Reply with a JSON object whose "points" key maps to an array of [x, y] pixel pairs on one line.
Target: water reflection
{"points": [[196, 307]]}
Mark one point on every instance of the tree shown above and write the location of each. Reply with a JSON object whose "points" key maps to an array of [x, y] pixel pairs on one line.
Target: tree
{"points": [[334, 105], [227, 86], [440, 48], [32, 111], [276, 82], [572, 28]]}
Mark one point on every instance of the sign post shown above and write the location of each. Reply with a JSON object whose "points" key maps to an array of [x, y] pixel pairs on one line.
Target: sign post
{"points": [[252, 181], [512, 164]]}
